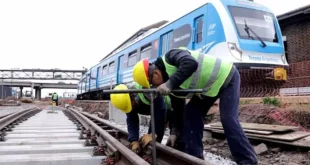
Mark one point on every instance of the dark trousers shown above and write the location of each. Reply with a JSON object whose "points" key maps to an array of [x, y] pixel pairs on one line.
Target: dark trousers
{"points": [[174, 121], [197, 108], [159, 116], [56, 101]]}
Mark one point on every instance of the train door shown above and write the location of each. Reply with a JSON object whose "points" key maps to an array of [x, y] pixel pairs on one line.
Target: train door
{"points": [[85, 84], [198, 31], [97, 76], [120, 69], [88, 80], [165, 43]]}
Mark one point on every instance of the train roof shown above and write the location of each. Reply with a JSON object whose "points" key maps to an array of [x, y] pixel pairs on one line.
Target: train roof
{"points": [[136, 35], [144, 32], [294, 16]]}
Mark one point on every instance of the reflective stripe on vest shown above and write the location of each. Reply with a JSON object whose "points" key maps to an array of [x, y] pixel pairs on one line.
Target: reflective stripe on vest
{"points": [[167, 102], [147, 102], [55, 96], [141, 95], [209, 76]]}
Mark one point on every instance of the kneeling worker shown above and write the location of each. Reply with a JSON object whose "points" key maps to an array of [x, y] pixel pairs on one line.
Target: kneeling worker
{"points": [[138, 103], [184, 69]]}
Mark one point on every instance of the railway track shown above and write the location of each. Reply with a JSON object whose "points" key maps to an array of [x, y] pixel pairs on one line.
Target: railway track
{"points": [[68, 136], [110, 141], [35, 136]]}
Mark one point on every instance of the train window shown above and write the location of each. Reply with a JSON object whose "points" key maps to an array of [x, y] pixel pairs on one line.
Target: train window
{"points": [[93, 74], [146, 51], [261, 22], [199, 27], [104, 70], [111, 67], [132, 58], [165, 43]]}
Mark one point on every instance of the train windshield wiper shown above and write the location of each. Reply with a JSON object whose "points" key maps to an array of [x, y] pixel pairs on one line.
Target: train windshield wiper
{"points": [[248, 30]]}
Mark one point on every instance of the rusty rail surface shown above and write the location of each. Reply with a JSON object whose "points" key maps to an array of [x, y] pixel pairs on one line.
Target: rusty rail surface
{"points": [[7, 122], [115, 151], [118, 139]]}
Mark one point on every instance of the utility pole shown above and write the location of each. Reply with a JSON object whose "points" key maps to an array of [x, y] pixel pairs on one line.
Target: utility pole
{"points": [[2, 92]]}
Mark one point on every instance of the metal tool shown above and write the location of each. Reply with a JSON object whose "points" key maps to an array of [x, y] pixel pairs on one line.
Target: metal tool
{"points": [[152, 92]]}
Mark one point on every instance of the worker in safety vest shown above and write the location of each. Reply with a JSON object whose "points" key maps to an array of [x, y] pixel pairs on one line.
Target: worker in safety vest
{"points": [[184, 69], [55, 98], [138, 103]]}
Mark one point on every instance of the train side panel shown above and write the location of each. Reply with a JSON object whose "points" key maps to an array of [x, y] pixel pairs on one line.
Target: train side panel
{"points": [[108, 75], [182, 32]]}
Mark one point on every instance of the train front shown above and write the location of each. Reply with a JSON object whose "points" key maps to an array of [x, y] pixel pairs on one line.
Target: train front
{"points": [[256, 46]]}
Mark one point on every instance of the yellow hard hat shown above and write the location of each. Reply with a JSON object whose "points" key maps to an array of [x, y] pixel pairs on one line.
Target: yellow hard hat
{"points": [[140, 73], [121, 101]]}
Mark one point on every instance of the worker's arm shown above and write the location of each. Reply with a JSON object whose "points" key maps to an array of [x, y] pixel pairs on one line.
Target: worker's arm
{"points": [[185, 63], [133, 125]]}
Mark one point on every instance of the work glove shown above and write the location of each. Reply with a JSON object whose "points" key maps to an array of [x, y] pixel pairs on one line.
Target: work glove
{"points": [[135, 146], [146, 139], [165, 88], [171, 140]]}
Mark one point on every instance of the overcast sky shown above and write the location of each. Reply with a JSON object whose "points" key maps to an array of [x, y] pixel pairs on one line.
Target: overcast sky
{"points": [[71, 34]]}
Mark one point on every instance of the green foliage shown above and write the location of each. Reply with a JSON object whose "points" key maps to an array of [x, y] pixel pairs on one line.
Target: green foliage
{"points": [[244, 102], [272, 101]]}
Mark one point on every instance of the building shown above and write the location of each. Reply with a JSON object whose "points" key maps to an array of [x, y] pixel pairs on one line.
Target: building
{"points": [[295, 26], [7, 91]]}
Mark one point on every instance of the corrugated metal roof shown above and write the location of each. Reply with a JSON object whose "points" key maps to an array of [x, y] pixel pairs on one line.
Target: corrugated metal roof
{"points": [[296, 12]]}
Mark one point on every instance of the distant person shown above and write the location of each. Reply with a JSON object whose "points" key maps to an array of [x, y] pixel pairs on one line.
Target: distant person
{"points": [[55, 98]]}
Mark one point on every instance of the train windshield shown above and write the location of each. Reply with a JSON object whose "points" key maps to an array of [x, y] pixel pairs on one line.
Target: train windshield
{"points": [[260, 24]]}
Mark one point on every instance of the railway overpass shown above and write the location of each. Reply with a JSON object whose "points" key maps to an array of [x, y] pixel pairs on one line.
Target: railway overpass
{"points": [[38, 86], [41, 74]]}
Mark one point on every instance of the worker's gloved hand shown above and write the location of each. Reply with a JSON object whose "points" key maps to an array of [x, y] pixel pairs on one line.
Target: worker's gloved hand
{"points": [[135, 146], [171, 140], [165, 88], [146, 139]]}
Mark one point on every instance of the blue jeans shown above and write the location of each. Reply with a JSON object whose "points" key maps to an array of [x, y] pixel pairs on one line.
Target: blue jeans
{"points": [[196, 110]]}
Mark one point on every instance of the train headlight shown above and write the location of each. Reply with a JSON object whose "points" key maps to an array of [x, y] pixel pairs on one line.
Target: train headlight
{"points": [[235, 52]]}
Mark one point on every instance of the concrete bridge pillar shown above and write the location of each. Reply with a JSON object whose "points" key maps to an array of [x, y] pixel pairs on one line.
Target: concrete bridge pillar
{"points": [[38, 93], [21, 92]]}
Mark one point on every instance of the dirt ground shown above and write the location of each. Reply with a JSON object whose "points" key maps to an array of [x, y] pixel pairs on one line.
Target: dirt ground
{"points": [[276, 155], [286, 114], [100, 108], [292, 115]]}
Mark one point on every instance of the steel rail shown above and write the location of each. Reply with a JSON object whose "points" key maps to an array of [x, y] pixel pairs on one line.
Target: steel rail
{"points": [[166, 155], [7, 122], [152, 92], [124, 155], [2, 116], [12, 117]]}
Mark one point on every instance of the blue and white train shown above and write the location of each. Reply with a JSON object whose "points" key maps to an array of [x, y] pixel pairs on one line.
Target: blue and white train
{"points": [[242, 31]]}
